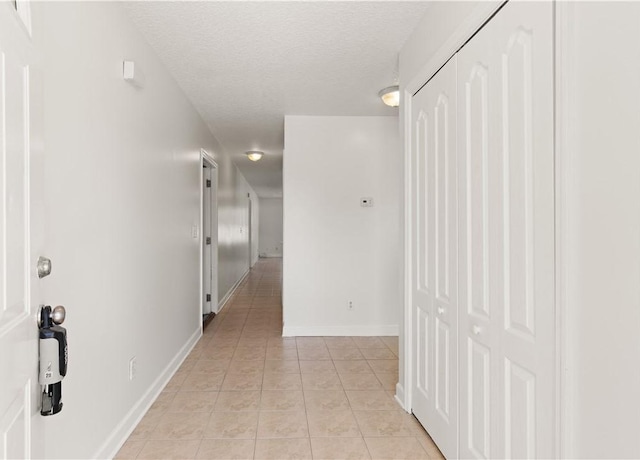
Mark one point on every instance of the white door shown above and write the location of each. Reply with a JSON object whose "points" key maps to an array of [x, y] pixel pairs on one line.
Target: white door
{"points": [[207, 241], [249, 242], [213, 223], [210, 232], [434, 259], [21, 232], [506, 236]]}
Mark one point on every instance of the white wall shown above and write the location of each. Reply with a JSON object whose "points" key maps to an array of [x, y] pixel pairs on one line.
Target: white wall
{"points": [[122, 179], [599, 244], [336, 250], [271, 227], [233, 228]]}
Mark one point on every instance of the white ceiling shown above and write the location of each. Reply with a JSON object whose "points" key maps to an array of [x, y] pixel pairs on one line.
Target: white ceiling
{"points": [[245, 65]]}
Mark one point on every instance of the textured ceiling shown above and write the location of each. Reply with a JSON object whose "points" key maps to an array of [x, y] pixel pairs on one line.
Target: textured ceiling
{"points": [[245, 65]]}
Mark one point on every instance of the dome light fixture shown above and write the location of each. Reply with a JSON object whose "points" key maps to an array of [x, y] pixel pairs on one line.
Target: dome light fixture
{"points": [[254, 155], [390, 96]]}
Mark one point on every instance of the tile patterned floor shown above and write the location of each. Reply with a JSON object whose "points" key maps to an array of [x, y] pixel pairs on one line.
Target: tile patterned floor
{"points": [[246, 392]]}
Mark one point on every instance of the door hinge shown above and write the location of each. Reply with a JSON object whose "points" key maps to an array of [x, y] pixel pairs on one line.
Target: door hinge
{"points": [[208, 297], [207, 240], [208, 183]]}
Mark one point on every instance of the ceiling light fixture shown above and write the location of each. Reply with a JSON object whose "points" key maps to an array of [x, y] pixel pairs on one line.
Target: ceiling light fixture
{"points": [[390, 96], [254, 155]]}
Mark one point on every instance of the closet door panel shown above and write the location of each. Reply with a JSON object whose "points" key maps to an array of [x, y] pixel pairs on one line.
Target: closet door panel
{"points": [[528, 332], [477, 361], [445, 239], [519, 393], [514, 53], [422, 269], [524, 37], [434, 260]]}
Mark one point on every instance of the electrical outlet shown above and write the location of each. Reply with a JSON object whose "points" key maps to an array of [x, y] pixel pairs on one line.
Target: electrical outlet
{"points": [[133, 368], [350, 305]]}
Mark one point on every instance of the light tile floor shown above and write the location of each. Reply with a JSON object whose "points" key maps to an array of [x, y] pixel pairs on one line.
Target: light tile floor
{"points": [[246, 392]]}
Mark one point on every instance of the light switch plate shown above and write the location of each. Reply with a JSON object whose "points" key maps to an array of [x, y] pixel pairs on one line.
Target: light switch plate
{"points": [[128, 70]]}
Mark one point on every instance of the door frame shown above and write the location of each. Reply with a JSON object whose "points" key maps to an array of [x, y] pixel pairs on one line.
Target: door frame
{"points": [[207, 158]]}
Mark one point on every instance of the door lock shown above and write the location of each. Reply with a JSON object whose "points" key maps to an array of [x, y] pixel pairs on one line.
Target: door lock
{"points": [[53, 357], [44, 267]]}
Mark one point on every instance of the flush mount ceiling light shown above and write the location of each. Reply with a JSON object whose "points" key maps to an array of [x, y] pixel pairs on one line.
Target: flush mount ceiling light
{"points": [[390, 96], [254, 155]]}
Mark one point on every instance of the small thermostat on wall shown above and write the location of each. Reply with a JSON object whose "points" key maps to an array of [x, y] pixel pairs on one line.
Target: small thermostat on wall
{"points": [[366, 202]]}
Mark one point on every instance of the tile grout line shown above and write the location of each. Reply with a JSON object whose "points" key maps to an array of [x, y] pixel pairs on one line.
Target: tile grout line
{"points": [[247, 315]]}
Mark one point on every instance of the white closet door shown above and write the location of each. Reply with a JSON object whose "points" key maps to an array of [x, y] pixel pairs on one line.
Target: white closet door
{"points": [[506, 224], [434, 260]]}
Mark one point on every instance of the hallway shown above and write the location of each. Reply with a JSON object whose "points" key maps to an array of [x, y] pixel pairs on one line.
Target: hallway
{"points": [[246, 392]]}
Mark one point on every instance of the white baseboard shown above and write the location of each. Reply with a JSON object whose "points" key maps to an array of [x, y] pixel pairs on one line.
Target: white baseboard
{"points": [[122, 431], [400, 396], [339, 331], [230, 292]]}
